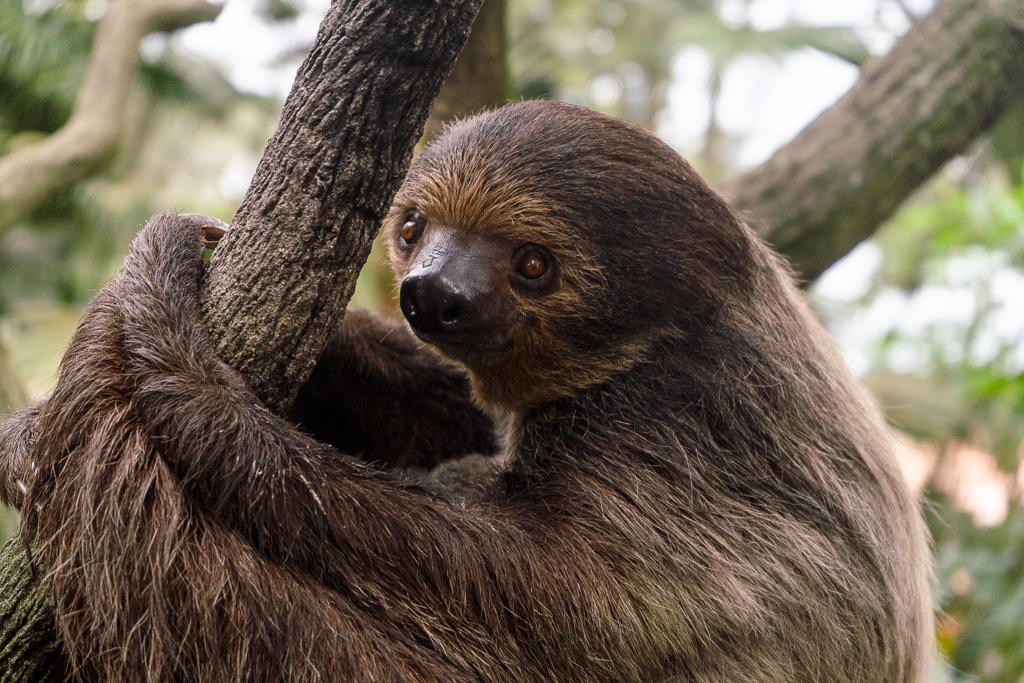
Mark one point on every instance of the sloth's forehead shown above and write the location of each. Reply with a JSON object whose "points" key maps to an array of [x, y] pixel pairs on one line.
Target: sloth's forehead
{"points": [[472, 198]]}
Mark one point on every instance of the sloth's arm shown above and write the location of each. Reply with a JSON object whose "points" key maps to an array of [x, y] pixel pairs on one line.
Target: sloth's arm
{"points": [[147, 583], [378, 394], [473, 582]]}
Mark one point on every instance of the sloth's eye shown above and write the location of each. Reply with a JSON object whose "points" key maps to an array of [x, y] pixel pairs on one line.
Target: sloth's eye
{"points": [[412, 228], [532, 267]]}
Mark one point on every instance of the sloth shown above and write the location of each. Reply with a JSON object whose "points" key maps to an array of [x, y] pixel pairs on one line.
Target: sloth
{"points": [[694, 488]]}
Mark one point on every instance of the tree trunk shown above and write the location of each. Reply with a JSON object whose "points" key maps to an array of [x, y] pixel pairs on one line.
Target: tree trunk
{"points": [[281, 279], [30, 648], [278, 284], [944, 83]]}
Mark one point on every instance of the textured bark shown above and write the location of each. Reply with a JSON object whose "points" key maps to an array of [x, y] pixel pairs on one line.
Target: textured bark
{"points": [[280, 280], [33, 173], [944, 83], [30, 649], [479, 78]]}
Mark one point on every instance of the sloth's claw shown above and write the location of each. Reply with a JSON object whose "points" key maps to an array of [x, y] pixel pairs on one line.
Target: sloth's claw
{"points": [[212, 229]]}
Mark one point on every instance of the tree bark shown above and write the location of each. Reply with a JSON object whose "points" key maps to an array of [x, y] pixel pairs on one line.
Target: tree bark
{"points": [[88, 140], [30, 647], [944, 83], [280, 280]]}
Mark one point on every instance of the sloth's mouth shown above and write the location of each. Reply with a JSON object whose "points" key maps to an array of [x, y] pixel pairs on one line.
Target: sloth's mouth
{"points": [[469, 348]]}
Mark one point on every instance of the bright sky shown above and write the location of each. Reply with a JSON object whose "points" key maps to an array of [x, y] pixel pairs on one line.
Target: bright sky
{"points": [[256, 57], [764, 103]]}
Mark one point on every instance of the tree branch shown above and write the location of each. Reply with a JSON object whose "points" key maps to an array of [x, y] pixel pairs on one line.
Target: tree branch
{"points": [[88, 140], [944, 83], [30, 649], [279, 282]]}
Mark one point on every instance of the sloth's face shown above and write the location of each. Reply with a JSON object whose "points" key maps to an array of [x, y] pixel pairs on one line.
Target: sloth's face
{"points": [[511, 291], [489, 296], [468, 292], [548, 248]]}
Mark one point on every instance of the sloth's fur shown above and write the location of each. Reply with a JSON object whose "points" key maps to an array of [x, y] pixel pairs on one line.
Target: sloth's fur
{"points": [[696, 488], [378, 394]]}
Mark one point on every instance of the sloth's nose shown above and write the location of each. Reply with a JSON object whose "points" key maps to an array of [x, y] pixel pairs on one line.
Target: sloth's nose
{"points": [[435, 305]]}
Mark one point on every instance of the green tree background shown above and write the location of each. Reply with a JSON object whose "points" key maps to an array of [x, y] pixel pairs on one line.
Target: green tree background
{"points": [[950, 375]]}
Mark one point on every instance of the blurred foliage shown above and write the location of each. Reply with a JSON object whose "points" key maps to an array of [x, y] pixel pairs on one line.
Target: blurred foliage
{"points": [[946, 219], [278, 10], [42, 61], [68, 248], [941, 324], [981, 571], [8, 523], [617, 55], [1008, 141]]}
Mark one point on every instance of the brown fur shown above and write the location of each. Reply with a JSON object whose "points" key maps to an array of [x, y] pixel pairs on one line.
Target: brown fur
{"points": [[697, 490], [378, 394]]}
